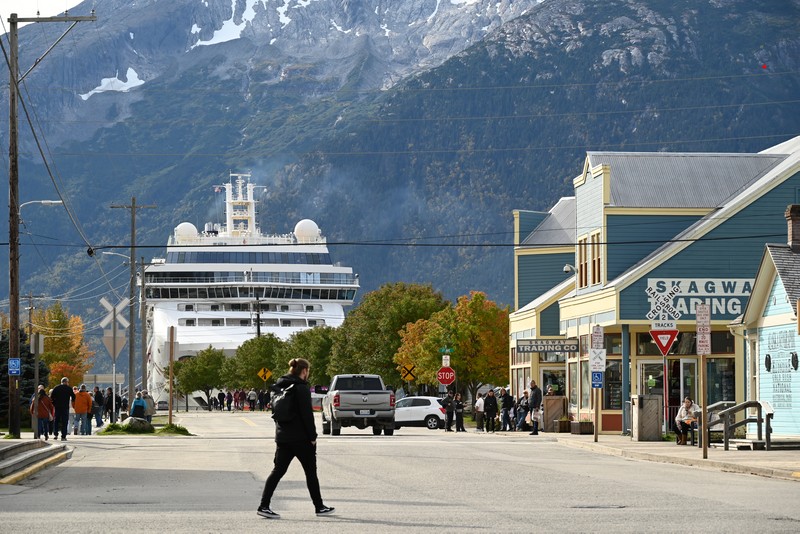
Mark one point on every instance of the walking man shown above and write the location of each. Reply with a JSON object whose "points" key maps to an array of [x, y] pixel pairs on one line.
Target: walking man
{"points": [[97, 406], [62, 397], [296, 437], [449, 407], [506, 404], [490, 410]]}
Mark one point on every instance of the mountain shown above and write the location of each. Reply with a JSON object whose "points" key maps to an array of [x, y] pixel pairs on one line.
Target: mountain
{"points": [[408, 131]]}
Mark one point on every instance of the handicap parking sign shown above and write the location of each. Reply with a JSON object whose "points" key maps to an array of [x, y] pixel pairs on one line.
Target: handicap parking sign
{"points": [[14, 366], [597, 379]]}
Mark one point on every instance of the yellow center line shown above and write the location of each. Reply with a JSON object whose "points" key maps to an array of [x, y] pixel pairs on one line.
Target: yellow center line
{"points": [[248, 421]]}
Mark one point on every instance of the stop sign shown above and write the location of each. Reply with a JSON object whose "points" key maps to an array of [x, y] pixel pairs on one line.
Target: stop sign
{"points": [[446, 376]]}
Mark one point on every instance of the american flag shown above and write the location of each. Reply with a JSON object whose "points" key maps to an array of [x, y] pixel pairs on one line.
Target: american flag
{"points": [[217, 189]]}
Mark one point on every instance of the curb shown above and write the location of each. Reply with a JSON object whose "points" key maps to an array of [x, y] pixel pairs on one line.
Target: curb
{"points": [[62, 456], [783, 474]]}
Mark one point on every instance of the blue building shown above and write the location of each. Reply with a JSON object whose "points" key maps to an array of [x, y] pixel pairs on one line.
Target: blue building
{"points": [[772, 330], [649, 229]]}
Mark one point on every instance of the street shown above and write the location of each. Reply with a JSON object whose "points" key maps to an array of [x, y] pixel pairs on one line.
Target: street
{"points": [[417, 480]]}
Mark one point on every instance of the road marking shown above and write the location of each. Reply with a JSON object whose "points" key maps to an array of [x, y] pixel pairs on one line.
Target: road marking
{"points": [[248, 421]]}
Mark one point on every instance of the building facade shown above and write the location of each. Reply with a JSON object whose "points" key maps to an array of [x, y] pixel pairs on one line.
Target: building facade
{"points": [[654, 235]]}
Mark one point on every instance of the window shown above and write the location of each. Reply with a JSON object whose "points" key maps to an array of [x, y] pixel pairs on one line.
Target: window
{"points": [[586, 387], [595, 250], [573, 384], [721, 343], [612, 388], [216, 322], [583, 263]]}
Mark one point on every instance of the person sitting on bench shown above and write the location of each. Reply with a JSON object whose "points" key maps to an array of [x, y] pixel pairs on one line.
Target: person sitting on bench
{"points": [[685, 419]]}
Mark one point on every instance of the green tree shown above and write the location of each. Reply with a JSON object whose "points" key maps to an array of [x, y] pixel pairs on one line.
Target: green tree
{"points": [[200, 373], [477, 331], [241, 371], [369, 338], [314, 345]]}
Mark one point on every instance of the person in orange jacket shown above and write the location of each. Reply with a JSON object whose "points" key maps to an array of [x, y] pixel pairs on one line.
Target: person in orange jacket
{"points": [[83, 408]]}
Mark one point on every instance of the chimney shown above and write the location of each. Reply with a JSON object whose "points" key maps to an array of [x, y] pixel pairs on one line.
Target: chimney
{"points": [[793, 219]]}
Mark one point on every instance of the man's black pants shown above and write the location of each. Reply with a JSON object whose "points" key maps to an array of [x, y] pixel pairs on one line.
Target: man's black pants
{"points": [[284, 454]]}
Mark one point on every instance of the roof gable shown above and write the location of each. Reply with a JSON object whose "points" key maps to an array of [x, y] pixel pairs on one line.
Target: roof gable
{"points": [[557, 229]]}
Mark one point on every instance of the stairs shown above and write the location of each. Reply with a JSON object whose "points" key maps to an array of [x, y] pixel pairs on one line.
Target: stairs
{"points": [[19, 459]]}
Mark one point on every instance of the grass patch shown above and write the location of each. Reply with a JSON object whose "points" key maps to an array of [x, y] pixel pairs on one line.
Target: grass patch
{"points": [[114, 429], [173, 430]]}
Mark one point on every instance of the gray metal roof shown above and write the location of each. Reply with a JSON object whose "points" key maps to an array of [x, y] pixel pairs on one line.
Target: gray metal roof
{"points": [[557, 229], [680, 180], [787, 263]]}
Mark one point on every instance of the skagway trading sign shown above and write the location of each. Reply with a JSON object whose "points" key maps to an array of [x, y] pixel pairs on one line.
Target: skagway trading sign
{"points": [[546, 345]]}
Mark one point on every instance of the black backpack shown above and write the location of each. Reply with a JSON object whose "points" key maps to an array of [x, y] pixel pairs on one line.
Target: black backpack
{"points": [[283, 404]]}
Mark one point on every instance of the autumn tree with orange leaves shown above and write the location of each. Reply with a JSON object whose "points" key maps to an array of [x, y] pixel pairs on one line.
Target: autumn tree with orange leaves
{"points": [[65, 351], [476, 330]]}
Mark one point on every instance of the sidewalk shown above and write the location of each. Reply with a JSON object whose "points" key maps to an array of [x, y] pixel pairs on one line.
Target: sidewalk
{"points": [[775, 464]]}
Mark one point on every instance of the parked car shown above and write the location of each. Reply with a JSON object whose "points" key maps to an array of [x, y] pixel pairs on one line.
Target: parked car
{"points": [[419, 411]]}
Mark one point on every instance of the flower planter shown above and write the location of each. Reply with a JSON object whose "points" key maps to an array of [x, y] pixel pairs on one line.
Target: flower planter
{"points": [[561, 426], [581, 427]]}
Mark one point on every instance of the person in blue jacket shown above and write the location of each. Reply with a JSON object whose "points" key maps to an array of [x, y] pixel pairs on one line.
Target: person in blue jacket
{"points": [[139, 406]]}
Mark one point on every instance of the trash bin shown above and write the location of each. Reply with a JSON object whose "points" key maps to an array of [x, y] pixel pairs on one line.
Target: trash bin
{"points": [[647, 417]]}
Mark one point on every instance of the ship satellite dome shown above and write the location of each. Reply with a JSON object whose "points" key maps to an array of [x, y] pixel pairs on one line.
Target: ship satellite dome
{"points": [[306, 229], [186, 229]]}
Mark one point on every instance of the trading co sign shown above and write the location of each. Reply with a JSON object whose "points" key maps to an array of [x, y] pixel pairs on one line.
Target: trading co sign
{"points": [[725, 296], [546, 345]]}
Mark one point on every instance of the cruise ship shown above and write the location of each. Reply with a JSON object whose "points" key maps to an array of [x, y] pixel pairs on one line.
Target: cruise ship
{"points": [[229, 283]]}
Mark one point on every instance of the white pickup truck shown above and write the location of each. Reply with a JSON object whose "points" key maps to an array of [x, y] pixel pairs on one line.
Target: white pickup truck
{"points": [[359, 401]]}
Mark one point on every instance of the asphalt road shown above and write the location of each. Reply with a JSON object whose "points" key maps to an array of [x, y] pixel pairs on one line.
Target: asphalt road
{"points": [[415, 481]]}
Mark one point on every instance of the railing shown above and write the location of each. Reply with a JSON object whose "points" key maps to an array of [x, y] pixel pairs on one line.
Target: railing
{"points": [[729, 423]]}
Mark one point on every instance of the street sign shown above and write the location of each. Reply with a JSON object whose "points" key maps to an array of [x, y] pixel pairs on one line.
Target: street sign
{"points": [[446, 376], [597, 379], [703, 317], [115, 312], [446, 350], [106, 378], [445, 360], [546, 345], [598, 340], [108, 341], [407, 372], [664, 339], [264, 374], [661, 305], [597, 360], [14, 368]]}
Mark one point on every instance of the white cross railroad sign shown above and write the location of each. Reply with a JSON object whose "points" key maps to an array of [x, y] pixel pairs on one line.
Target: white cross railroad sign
{"points": [[115, 312]]}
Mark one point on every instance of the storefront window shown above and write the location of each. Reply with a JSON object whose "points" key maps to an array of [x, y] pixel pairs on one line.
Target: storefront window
{"points": [[721, 380], [612, 388], [552, 357], [573, 384], [586, 387], [557, 378], [721, 343], [613, 344]]}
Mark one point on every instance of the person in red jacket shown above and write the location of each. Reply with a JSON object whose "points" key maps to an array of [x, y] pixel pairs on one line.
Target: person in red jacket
{"points": [[83, 408], [45, 414]]}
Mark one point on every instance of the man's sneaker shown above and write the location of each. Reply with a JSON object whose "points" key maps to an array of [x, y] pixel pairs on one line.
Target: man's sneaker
{"points": [[266, 512], [325, 510]]}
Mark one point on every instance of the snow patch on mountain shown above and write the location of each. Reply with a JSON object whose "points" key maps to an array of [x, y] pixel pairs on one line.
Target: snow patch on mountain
{"points": [[115, 84]]}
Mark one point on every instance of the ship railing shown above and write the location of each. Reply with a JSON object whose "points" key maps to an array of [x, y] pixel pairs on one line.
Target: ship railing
{"points": [[316, 279]]}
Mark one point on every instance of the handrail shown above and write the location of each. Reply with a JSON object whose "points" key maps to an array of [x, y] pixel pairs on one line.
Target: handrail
{"points": [[729, 422]]}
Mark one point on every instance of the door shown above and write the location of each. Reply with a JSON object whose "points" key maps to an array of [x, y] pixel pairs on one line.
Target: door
{"points": [[682, 383], [557, 378]]}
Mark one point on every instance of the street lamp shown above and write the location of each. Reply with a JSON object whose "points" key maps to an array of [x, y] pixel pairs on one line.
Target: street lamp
{"points": [[13, 308]]}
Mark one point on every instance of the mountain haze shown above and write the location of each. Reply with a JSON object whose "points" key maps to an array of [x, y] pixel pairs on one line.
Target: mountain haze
{"points": [[388, 123]]}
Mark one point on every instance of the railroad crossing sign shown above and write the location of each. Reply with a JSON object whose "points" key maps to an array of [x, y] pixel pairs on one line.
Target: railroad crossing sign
{"points": [[264, 374], [114, 312], [14, 367], [662, 307], [407, 372], [446, 376]]}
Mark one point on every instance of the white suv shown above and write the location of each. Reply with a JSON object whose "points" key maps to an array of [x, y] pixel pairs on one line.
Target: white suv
{"points": [[419, 411]]}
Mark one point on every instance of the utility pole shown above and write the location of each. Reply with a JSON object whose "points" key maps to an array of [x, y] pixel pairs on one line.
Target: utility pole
{"points": [[131, 349], [13, 198]]}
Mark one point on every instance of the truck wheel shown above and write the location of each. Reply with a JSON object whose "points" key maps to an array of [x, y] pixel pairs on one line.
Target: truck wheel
{"points": [[431, 422], [326, 427], [376, 430], [388, 431], [335, 429]]}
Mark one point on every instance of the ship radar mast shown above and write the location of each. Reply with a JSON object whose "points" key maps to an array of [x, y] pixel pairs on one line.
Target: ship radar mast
{"points": [[240, 206]]}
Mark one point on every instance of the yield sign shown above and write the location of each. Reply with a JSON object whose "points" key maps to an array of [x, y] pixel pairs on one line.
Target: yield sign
{"points": [[664, 339]]}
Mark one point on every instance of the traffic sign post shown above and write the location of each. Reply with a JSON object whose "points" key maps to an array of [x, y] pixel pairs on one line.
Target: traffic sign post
{"points": [[114, 343], [597, 366], [407, 372], [702, 316], [663, 329], [446, 376], [264, 374], [14, 367]]}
